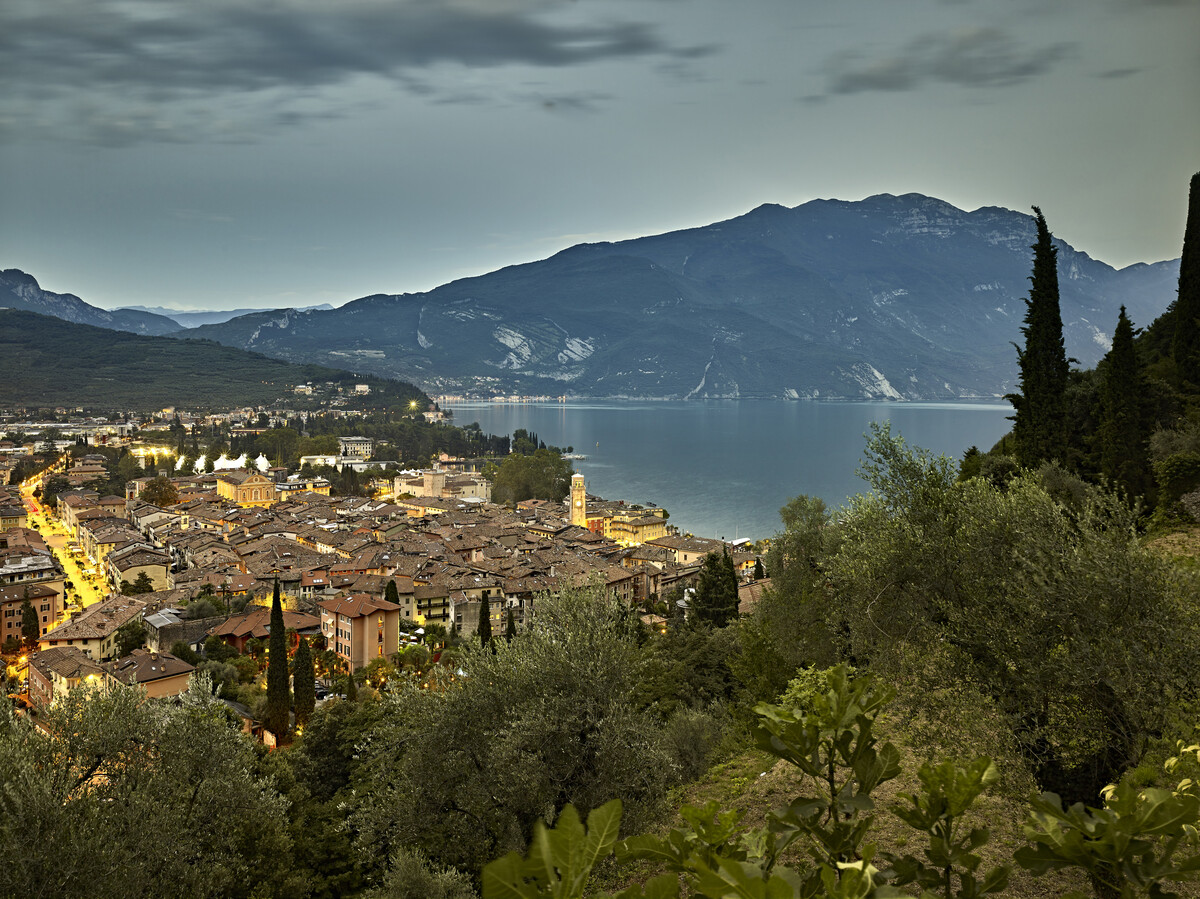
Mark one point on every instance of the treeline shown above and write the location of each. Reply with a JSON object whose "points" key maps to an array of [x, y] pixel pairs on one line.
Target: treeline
{"points": [[1133, 422]]}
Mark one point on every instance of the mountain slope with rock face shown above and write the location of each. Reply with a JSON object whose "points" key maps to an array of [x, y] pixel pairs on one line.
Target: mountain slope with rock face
{"points": [[19, 290], [891, 297]]}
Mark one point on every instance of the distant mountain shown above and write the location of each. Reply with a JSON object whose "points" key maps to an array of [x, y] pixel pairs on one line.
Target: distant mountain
{"points": [[891, 297], [207, 316], [47, 362], [21, 291]]}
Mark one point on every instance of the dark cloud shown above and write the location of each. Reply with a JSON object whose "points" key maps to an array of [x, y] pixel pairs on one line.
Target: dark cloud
{"points": [[976, 57], [1119, 73], [153, 52]]}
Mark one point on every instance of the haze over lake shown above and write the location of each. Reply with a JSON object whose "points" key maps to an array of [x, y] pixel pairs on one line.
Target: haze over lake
{"points": [[724, 468]]}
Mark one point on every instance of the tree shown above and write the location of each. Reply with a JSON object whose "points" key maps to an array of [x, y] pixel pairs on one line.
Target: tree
{"points": [[1122, 432], [1185, 344], [485, 622], [30, 627], [304, 683], [160, 492], [510, 627], [546, 722], [392, 594], [542, 475], [181, 649], [1039, 422], [715, 602], [279, 700], [1041, 602], [176, 786], [130, 636]]}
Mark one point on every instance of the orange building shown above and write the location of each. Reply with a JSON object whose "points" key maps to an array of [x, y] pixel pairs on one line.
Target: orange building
{"points": [[246, 488], [360, 628]]}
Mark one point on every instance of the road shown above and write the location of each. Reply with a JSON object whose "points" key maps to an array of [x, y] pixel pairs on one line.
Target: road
{"points": [[85, 589]]}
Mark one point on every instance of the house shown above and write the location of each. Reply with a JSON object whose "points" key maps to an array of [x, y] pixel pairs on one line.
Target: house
{"points": [[158, 673], [360, 628], [356, 447], [95, 630], [55, 672], [689, 549], [129, 562], [255, 623]]}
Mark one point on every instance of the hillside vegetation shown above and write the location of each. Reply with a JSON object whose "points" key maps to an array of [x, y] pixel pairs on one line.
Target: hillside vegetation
{"points": [[48, 362]]}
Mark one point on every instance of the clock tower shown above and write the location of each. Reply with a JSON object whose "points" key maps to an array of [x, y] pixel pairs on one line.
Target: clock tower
{"points": [[578, 501]]}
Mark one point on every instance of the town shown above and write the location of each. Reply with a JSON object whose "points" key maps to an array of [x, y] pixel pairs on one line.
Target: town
{"points": [[177, 573]]}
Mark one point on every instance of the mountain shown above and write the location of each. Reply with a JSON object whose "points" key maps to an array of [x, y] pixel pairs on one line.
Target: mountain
{"points": [[21, 291], [194, 319], [47, 362], [890, 297]]}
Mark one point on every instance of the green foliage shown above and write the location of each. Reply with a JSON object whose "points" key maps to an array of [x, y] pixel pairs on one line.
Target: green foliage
{"points": [[560, 861], [193, 817], [544, 474], [1122, 431], [1139, 841], [279, 701], [948, 867], [1047, 605], [100, 368], [715, 602], [304, 684], [542, 722], [1039, 425], [30, 628], [411, 875], [130, 636], [1185, 312], [181, 650], [484, 630], [160, 492]]}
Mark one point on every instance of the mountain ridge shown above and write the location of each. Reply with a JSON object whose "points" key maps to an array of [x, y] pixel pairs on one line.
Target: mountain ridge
{"points": [[902, 297], [899, 297]]}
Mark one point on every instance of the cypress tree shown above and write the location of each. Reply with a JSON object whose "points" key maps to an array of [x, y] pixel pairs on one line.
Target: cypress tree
{"points": [[510, 628], [1039, 424], [279, 700], [1122, 432], [304, 681], [30, 629], [715, 600], [485, 621], [391, 594], [1185, 344]]}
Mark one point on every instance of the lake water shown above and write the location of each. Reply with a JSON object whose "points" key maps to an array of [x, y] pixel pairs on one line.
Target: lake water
{"points": [[724, 468]]}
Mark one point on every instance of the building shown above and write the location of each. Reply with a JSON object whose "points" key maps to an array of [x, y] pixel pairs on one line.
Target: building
{"points": [[55, 672], [255, 623], [94, 632], [578, 501], [158, 673], [360, 628], [356, 447], [437, 483], [47, 603], [246, 488]]}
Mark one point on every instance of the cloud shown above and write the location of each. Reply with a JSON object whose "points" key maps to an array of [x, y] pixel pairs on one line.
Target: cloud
{"points": [[975, 57], [149, 53], [1120, 73]]}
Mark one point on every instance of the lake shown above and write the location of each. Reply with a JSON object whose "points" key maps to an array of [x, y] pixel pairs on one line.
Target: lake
{"points": [[724, 468]]}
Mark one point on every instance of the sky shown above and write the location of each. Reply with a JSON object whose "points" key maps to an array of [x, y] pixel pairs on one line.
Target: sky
{"points": [[221, 154]]}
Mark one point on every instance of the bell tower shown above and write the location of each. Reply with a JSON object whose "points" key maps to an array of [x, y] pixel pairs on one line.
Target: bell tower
{"points": [[578, 501]]}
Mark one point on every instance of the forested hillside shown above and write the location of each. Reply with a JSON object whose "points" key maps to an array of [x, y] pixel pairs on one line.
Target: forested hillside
{"points": [[47, 362]]}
